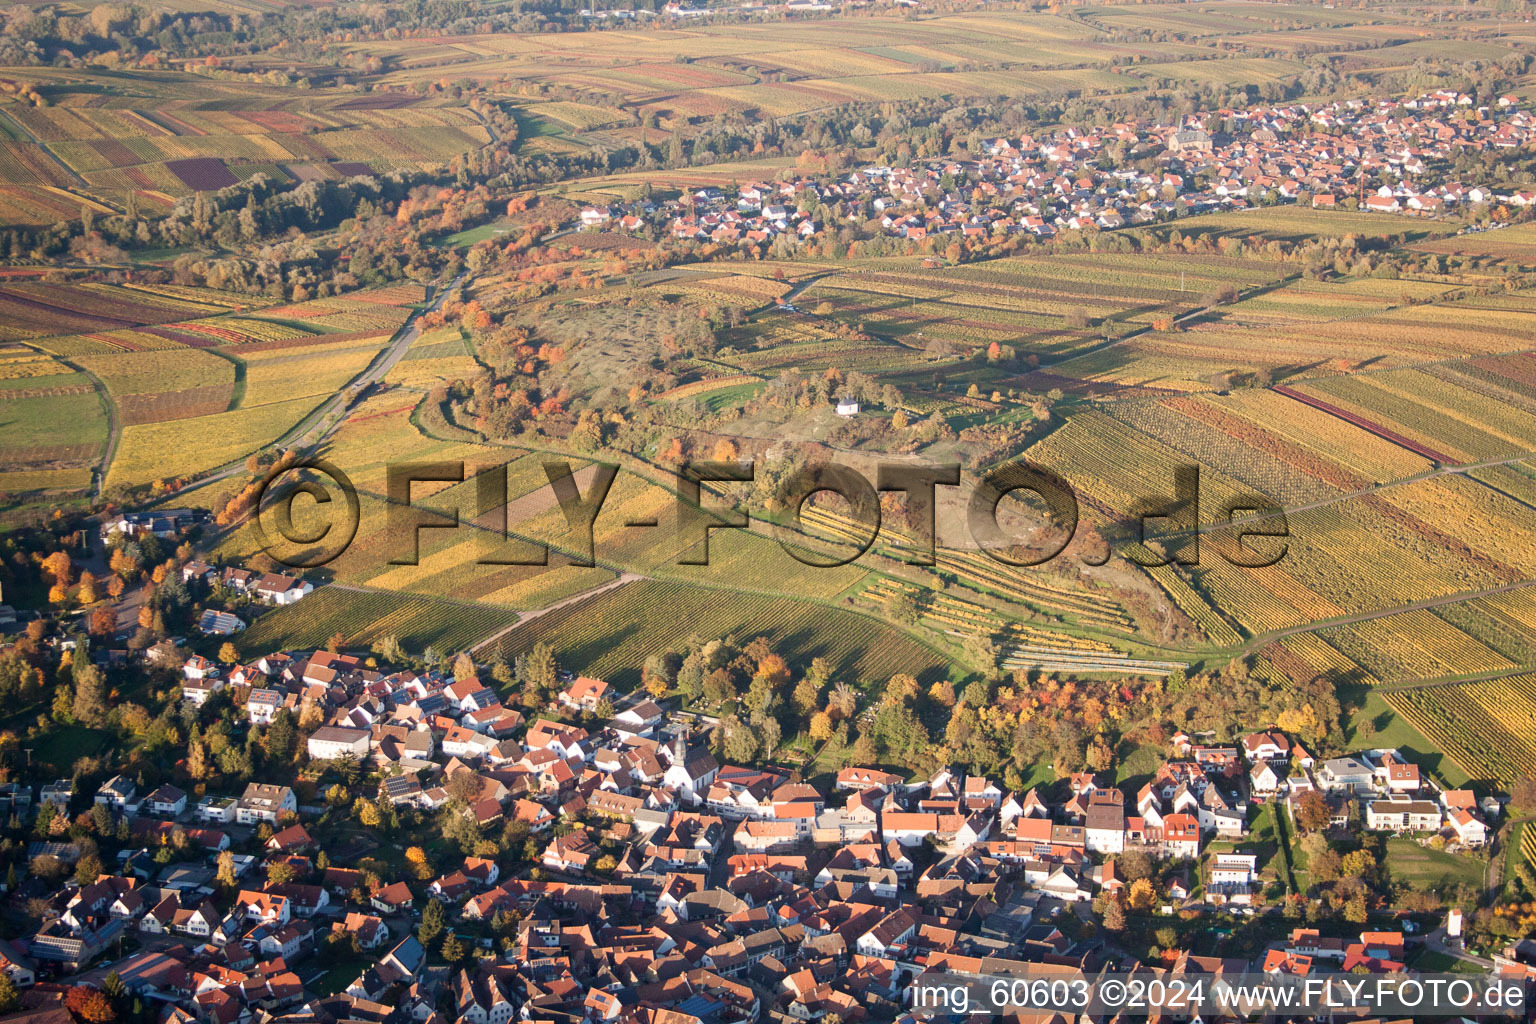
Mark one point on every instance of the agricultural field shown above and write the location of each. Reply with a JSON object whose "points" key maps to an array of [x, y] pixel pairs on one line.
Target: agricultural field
{"points": [[435, 357], [61, 425], [194, 394], [610, 636], [1046, 307], [161, 137], [35, 309], [365, 617], [1487, 728], [1305, 330]]}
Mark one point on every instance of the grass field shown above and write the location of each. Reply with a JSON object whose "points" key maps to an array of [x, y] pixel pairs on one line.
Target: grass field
{"points": [[611, 635], [1434, 870], [365, 617]]}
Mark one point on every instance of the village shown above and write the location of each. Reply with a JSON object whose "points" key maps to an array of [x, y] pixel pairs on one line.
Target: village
{"points": [[655, 883], [1375, 156]]}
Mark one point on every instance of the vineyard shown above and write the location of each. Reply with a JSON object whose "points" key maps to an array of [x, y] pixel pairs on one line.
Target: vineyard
{"points": [[980, 573], [1020, 646], [1487, 728], [164, 147], [1413, 645], [610, 635], [366, 617], [1048, 306]]}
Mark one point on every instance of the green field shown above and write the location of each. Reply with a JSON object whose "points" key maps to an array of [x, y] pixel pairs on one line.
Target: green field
{"points": [[364, 617], [611, 635], [1424, 868]]}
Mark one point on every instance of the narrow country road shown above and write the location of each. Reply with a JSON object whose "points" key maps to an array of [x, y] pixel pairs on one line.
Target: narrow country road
{"points": [[374, 372]]}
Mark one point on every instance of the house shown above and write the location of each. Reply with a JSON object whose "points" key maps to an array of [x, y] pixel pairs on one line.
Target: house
{"points": [[847, 406], [167, 801], [1269, 745], [1181, 835], [261, 705], [1104, 822], [392, 899], [277, 588], [219, 809], [293, 839], [59, 793], [1065, 883], [892, 930], [371, 932], [1232, 878], [197, 691], [118, 793], [1347, 775], [1264, 780], [1400, 813], [216, 623], [266, 802], [867, 778], [1469, 828], [639, 719], [330, 742], [585, 694]]}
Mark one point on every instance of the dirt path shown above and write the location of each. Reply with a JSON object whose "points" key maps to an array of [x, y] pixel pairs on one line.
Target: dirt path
{"points": [[114, 426], [623, 578], [1345, 620]]}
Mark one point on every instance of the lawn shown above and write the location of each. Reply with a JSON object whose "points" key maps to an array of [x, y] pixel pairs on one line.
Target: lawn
{"points": [[1424, 868], [340, 976], [65, 744], [1392, 730]]}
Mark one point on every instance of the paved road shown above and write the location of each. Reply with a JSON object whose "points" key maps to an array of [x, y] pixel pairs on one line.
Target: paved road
{"points": [[374, 372], [1435, 943]]}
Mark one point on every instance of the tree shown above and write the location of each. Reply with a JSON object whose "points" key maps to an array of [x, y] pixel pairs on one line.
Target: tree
{"points": [[807, 695], [229, 654], [417, 858], [1312, 814], [282, 739], [226, 872], [1143, 896], [90, 705], [902, 608], [433, 921], [843, 701], [1114, 916], [539, 672], [10, 996], [453, 950], [89, 1005], [821, 726]]}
